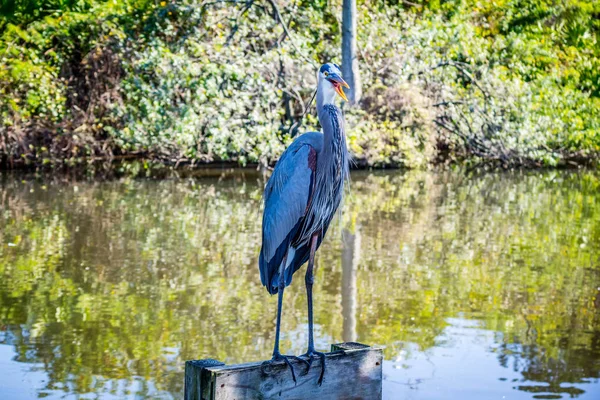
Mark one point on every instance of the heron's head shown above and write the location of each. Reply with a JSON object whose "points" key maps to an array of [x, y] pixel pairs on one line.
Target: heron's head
{"points": [[331, 83]]}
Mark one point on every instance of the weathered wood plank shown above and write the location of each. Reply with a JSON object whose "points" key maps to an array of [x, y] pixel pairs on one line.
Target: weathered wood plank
{"points": [[353, 371], [198, 379]]}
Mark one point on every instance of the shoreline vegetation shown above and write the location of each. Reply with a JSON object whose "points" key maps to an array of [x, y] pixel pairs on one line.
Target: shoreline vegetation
{"points": [[512, 83]]}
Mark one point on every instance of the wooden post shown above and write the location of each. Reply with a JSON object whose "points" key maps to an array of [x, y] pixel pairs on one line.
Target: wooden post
{"points": [[353, 371]]}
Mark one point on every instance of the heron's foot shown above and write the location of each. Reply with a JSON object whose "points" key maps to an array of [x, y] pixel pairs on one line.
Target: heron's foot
{"points": [[311, 355], [280, 357]]}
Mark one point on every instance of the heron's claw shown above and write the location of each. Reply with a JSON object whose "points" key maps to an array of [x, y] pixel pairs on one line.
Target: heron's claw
{"points": [[310, 355], [286, 359]]}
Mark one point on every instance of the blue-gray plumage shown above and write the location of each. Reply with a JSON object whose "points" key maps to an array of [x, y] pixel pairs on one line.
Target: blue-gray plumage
{"points": [[301, 198]]}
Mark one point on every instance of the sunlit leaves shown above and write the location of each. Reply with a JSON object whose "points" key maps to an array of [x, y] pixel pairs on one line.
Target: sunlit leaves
{"points": [[514, 81]]}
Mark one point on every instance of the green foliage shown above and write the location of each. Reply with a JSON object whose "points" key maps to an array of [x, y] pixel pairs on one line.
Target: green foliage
{"points": [[393, 127], [511, 82]]}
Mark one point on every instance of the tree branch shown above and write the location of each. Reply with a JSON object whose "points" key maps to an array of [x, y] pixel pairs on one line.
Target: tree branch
{"points": [[287, 32]]}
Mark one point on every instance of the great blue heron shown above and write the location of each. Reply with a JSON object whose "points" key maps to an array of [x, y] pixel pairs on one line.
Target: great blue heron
{"points": [[301, 199]]}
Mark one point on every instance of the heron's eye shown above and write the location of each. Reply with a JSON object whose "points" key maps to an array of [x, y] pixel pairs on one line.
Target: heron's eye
{"points": [[325, 73]]}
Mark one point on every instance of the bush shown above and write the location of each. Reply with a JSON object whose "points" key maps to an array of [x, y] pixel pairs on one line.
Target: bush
{"points": [[394, 126], [192, 81]]}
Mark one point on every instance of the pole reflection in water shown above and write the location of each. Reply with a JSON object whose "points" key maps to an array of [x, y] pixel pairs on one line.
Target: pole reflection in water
{"points": [[350, 261]]}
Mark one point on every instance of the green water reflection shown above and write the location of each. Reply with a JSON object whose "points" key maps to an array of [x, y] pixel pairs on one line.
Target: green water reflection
{"points": [[104, 284]]}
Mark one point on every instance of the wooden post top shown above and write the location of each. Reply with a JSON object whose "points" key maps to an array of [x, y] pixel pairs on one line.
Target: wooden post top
{"points": [[353, 371]]}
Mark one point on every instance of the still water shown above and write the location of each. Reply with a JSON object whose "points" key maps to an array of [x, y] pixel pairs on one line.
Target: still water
{"points": [[477, 286]]}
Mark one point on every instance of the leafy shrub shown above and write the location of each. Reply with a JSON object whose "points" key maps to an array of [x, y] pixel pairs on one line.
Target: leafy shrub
{"points": [[510, 82], [393, 127]]}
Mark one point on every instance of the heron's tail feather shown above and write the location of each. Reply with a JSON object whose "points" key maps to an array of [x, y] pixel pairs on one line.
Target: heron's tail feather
{"points": [[266, 274], [269, 271]]}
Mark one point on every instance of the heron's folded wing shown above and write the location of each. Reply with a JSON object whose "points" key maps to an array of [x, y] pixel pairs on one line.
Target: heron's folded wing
{"points": [[286, 198]]}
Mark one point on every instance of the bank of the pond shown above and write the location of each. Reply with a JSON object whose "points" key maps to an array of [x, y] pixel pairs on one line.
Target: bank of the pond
{"points": [[132, 167]]}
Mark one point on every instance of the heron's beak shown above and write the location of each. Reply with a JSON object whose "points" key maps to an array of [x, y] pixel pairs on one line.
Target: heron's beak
{"points": [[338, 83]]}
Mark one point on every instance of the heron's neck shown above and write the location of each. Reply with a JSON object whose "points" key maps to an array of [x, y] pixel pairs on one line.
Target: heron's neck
{"points": [[330, 117], [334, 140], [325, 95]]}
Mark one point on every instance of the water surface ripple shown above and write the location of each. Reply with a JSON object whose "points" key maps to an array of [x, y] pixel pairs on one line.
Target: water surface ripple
{"points": [[476, 285]]}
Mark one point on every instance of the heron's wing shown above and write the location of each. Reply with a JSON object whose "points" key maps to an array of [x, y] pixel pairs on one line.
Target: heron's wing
{"points": [[286, 197]]}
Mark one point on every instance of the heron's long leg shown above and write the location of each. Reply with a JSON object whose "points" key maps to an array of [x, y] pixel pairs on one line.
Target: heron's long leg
{"points": [[277, 356], [309, 279], [281, 287]]}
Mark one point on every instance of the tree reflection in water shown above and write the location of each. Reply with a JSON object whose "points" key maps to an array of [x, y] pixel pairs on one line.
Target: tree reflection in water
{"points": [[108, 286]]}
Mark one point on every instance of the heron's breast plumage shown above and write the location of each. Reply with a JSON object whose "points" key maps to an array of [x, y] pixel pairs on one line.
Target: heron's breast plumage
{"points": [[331, 173]]}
